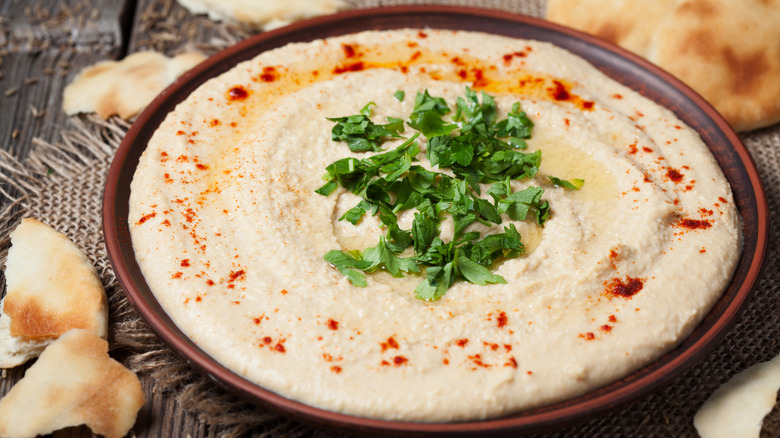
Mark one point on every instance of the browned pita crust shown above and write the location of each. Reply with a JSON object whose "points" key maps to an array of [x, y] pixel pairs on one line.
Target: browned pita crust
{"points": [[125, 87], [728, 51], [74, 382], [52, 288]]}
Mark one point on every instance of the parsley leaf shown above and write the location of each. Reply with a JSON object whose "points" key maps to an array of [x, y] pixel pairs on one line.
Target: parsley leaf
{"points": [[328, 188], [354, 214], [399, 239], [486, 210], [424, 230], [513, 164], [572, 184], [345, 262], [361, 134], [437, 281], [399, 95], [519, 204], [381, 255], [426, 116], [474, 115], [517, 127], [506, 244], [476, 273]]}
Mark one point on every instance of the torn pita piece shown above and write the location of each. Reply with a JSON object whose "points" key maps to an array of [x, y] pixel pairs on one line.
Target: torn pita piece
{"points": [[74, 382], [728, 51], [125, 87], [52, 288], [265, 14], [738, 408]]}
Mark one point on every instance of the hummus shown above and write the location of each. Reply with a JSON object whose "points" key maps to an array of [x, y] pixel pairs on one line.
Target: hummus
{"points": [[231, 236]]}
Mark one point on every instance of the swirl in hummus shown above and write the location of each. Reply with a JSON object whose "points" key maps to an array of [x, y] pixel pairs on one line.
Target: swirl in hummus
{"points": [[230, 235]]}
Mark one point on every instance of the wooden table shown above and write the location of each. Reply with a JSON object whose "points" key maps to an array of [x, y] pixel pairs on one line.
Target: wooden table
{"points": [[43, 45]]}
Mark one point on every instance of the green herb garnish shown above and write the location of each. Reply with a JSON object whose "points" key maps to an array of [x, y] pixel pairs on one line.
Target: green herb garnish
{"points": [[477, 149], [427, 116], [572, 184], [361, 134]]}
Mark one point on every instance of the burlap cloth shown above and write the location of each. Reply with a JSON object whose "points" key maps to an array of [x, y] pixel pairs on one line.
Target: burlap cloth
{"points": [[62, 185]]}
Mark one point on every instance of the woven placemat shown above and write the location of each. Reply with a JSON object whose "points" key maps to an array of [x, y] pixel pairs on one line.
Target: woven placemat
{"points": [[61, 184]]}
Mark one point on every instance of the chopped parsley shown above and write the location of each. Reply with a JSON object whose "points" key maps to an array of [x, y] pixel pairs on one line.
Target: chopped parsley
{"points": [[572, 184], [361, 134], [477, 149]]}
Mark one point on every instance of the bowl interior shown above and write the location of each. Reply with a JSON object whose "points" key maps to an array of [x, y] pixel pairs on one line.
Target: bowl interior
{"points": [[622, 66]]}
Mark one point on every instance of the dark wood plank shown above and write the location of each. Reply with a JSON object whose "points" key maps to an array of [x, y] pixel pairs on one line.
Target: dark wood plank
{"points": [[31, 94], [9, 377], [39, 25], [45, 43], [162, 417], [166, 26]]}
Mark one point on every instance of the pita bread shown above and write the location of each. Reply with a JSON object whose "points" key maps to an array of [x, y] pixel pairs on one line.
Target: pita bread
{"points": [[74, 382], [52, 288], [738, 407], [16, 350], [265, 14], [125, 87], [728, 51]]}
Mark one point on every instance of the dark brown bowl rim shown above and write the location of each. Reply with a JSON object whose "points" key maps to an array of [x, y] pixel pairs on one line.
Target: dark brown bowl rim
{"points": [[644, 77]]}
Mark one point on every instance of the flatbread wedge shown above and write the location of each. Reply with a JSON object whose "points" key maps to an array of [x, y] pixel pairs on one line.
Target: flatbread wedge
{"points": [[125, 87], [727, 51], [52, 288], [738, 407], [74, 382]]}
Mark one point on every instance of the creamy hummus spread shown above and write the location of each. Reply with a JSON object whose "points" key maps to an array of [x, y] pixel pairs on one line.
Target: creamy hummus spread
{"points": [[230, 234]]}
